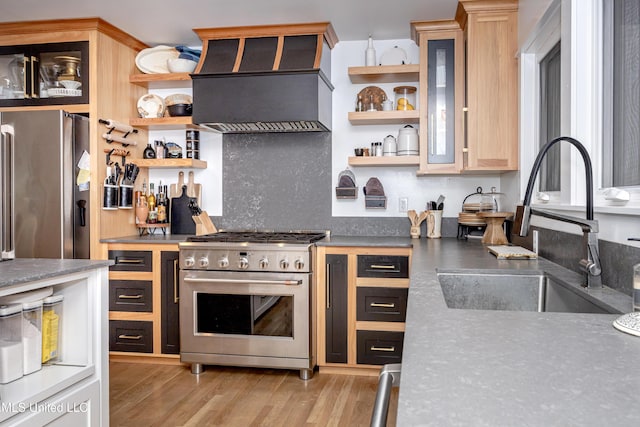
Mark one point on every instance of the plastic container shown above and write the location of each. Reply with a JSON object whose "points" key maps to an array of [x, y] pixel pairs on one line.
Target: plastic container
{"points": [[405, 97], [32, 336], [51, 324], [11, 349]]}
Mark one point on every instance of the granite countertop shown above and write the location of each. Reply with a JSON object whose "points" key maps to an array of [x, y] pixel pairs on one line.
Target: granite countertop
{"points": [[492, 368], [23, 270], [149, 238]]}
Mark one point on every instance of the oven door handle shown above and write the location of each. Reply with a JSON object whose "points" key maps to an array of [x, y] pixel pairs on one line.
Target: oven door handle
{"points": [[248, 282]]}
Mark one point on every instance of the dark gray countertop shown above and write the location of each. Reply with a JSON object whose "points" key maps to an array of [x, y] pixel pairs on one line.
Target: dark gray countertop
{"points": [[23, 270], [493, 368], [153, 238]]}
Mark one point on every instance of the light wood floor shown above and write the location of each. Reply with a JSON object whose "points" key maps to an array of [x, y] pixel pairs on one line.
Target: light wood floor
{"points": [[167, 395]]}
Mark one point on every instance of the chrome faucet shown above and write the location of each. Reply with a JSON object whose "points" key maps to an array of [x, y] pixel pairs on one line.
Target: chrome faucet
{"points": [[591, 265]]}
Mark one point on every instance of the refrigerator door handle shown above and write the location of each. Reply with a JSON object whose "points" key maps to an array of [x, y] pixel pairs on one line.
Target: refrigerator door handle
{"points": [[7, 230], [82, 211]]}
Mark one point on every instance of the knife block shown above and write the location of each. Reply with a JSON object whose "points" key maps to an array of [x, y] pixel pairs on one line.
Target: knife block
{"points": [[204, 224]]}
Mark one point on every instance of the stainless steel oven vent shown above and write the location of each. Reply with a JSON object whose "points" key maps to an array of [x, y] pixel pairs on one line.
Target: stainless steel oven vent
{"points": [[256, 127], [265, 78]]}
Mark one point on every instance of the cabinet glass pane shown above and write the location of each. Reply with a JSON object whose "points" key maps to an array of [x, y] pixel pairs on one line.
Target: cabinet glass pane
{"points": [[441, 96], [60, 74], [12, 78], [44, 74]]}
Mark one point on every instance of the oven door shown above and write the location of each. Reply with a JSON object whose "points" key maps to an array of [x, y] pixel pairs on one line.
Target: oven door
{"points": [[246, 319]]}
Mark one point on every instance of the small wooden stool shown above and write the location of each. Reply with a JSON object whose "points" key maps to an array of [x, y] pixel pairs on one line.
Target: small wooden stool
{"points": [[494, 234]]}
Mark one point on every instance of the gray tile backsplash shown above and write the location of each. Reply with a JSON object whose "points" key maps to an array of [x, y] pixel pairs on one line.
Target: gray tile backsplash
{"points": [[280, 181]]}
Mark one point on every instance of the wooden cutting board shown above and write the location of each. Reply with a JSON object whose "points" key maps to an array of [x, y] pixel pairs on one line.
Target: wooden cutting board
{"points": [[181, 219], [511, 252], [194, 190], [175, 190]]}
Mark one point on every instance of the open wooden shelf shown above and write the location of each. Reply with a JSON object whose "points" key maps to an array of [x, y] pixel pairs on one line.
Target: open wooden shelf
{"points": [[385, 73], [184, 122], [170, 163], [161, 81], [384, 161], [384, 117]]}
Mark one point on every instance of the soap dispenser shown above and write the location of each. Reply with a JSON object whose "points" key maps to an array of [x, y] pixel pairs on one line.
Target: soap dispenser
{"points": [[370, 54]]}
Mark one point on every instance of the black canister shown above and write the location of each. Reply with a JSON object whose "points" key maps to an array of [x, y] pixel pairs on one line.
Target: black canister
{"points": [[110, 197], [126, 197]]}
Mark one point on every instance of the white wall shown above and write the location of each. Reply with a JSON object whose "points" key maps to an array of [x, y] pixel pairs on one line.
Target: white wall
{"points": [[397, 181]]}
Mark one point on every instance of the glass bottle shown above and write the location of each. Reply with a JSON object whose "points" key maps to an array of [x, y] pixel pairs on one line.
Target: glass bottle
{"points": [[149, 152], [161, 203], [151, 198]]}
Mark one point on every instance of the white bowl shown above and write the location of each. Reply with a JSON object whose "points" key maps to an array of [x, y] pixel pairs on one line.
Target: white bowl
{"points": [[181, 65], [70, 84]]}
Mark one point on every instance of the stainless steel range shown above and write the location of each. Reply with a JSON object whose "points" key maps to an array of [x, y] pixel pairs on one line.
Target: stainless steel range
{"points": [[247, 299]]}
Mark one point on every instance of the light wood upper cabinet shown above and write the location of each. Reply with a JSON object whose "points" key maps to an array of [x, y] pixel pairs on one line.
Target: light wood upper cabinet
{"points": [[441, 97], [110, 58], [490, 29]]}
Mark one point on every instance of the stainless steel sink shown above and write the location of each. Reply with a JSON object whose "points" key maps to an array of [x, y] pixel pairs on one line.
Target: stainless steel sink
{"points": [[514, 292]]}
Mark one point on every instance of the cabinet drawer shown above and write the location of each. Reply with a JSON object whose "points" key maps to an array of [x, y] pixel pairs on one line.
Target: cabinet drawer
{"points": [[388, 266], [382, 304], [130, 295], [379, 348], [131, 335], [131, 260]]}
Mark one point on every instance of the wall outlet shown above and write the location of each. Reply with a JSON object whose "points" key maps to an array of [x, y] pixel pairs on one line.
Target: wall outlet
{"points": [[403, 204]]}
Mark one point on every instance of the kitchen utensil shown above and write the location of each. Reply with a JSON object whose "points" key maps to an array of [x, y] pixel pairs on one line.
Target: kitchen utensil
{"points": [[405, 97], [176, 189], [181, 218], [150, 106], [181, 65], [194, 190], [154, 60], [434, 224], [394, 56], [180, 110], [372, 95], [389, 146], [408, 141]]}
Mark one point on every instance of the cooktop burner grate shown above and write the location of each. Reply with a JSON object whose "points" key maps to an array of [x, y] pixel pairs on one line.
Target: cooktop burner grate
{"points": [[260, 237]]}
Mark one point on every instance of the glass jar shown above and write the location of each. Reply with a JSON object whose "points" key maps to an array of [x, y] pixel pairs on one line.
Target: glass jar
{"points": [[51, 327], [11, 350], [405, 97], [32, 336]]}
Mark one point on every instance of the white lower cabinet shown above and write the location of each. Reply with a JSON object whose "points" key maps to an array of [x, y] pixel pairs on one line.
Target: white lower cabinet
{"points": [[74, 390]]}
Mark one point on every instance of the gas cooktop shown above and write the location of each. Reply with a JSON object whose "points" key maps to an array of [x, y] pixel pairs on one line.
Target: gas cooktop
{"points": [[230, 236]]}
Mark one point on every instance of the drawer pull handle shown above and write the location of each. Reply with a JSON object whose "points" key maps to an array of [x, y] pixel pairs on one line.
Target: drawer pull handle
{"points": [[387, 349], [130, 337], [382, 304], [327, 286], [382, 267], [129, 296], [128, 261]]}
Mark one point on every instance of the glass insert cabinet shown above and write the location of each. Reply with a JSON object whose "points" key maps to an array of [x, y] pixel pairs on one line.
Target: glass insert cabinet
{"points": [[44, 74], [442, 74]]}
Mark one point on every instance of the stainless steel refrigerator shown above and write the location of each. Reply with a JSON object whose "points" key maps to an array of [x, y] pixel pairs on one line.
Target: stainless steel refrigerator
{"points": [[45, 213]]}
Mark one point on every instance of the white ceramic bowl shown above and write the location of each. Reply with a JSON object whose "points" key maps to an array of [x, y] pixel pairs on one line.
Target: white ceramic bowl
{"points": [[70, 84], [181, 65]]}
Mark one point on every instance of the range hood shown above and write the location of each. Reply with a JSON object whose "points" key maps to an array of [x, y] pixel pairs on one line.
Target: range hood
{"points": [[264, 79]]}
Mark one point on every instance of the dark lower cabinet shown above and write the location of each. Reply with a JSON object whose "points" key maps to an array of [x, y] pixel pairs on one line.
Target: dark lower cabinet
{"points": [[131, 335], [379, 347], [336, 280], [170, 319]]}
